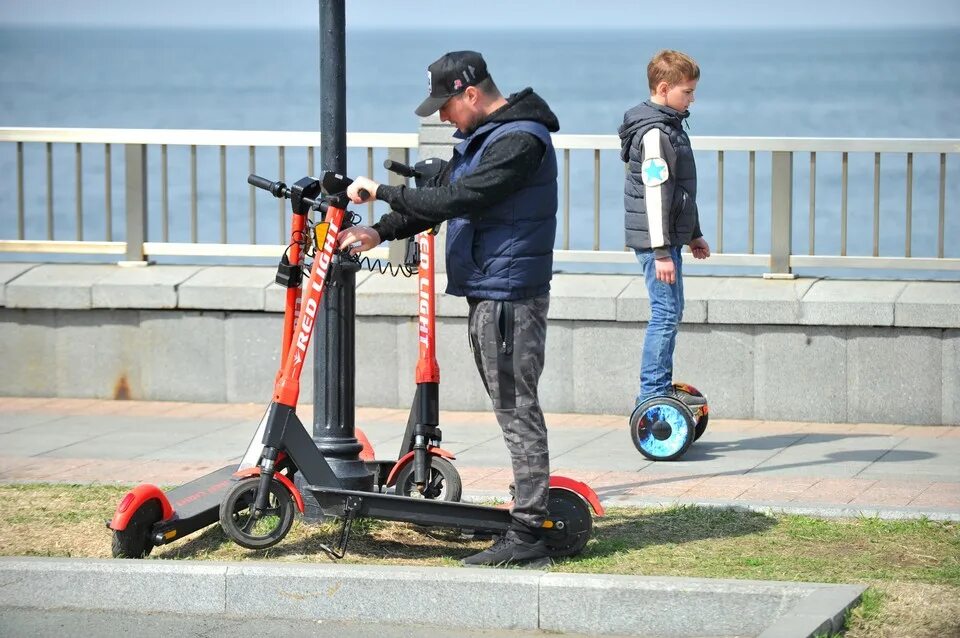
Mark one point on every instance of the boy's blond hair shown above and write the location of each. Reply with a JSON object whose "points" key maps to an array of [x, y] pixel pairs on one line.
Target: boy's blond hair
{"points": [[672, 67]]}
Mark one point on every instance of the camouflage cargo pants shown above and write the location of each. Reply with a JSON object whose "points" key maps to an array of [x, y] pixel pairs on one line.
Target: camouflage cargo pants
{"points": [[508, 339]]}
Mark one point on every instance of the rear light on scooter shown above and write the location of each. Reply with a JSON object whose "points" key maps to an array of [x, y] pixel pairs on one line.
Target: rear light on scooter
{"points": [[125, 503]]}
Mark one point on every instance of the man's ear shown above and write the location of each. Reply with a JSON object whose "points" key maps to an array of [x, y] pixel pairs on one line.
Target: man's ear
{"points": [[662, 89], [472, 94]]}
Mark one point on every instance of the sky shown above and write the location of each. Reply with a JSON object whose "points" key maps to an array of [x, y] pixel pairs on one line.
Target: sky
{"points": [[516, 14]]}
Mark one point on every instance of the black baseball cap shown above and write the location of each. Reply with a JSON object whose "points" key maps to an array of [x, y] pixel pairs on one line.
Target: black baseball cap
{"points": [[451, 75]]}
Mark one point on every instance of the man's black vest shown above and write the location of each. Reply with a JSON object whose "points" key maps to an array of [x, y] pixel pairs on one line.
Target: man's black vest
{"points": [[506, 252]]}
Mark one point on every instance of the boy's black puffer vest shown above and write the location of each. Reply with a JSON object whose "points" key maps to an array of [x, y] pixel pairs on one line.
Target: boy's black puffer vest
{"points": [[683, 226]]}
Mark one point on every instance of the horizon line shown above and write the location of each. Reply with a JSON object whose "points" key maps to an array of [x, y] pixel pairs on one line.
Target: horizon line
{"points": [[420, 28]]}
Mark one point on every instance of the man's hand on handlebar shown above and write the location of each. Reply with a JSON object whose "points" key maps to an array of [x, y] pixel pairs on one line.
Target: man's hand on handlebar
{"points": [[359, 238], [362, 183]]}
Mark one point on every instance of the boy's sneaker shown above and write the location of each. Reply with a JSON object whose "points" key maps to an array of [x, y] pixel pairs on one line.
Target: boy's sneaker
{"points": [[512, 548]]}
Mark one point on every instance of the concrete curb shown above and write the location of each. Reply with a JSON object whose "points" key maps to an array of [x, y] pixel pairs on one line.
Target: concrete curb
{"points": [[447, 597]]}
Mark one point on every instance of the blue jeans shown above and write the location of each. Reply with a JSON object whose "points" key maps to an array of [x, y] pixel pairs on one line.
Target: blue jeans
{"points": [[666, 310]]}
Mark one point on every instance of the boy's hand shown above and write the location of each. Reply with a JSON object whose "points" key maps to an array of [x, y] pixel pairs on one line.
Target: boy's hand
{"points": [[364, 183], [700, 248], [666, 271]]}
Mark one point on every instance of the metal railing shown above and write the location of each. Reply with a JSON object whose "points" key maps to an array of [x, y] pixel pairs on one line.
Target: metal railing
{"points": [[135, 143], [740, 233], [782, 255]]}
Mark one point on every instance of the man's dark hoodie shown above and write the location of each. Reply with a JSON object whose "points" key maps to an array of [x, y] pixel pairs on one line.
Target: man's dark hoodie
{"points": [[679, 223], [499, 193], [506, 165]]}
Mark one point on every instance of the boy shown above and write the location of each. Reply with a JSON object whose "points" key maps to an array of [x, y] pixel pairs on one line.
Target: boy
{"points": [[661, 210]]}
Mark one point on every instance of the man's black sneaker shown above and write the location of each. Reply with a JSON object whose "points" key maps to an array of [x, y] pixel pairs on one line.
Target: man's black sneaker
{"points": [[511, 548]]}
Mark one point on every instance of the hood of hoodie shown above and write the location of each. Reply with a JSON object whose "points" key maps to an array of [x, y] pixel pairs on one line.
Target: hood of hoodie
{"points": [[524, 105], [641, 117]]}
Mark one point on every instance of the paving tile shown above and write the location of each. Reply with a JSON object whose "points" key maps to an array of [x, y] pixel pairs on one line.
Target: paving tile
{"points": [[584, 476], [11, 422], [889, 494], [11, 465], [950, 501], [475, 476], [861, 465], [50, 469], [734, 425], [498, 480], [778, 489], [376, 415], [15, 404], [835, 491]]}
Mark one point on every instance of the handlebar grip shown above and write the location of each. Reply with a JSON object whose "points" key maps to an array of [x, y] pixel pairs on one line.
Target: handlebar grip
{"points": [[399, 168], [259, 182], [277, 189]]}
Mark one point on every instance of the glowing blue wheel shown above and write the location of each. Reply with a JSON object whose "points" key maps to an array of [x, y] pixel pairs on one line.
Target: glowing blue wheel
{"points": [[662, 428]]}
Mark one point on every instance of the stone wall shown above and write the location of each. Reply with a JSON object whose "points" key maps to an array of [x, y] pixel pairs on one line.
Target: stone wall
{"points": [[797, 350]]}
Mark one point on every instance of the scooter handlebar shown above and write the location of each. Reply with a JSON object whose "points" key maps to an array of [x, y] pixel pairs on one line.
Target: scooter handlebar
{"points": [[400, 168], [277, 189]]}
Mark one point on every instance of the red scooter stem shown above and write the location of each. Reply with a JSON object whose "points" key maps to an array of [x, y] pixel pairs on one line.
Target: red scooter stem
{"points": [[287, 388], [428, 370], [292, 306]]}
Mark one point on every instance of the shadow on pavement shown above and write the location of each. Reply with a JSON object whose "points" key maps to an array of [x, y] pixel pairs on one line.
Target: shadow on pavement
{"points": [[843, 456], [703, 448]]}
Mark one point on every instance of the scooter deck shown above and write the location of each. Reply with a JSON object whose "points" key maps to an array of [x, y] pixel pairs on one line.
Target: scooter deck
{"points": [[195, 505], [336, 502]]}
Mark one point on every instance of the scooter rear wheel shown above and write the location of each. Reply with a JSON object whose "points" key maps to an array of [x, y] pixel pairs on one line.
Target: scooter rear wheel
{"points": [[244, 527], [662, 428], [573, 523], [134, 541], [443, 481]]}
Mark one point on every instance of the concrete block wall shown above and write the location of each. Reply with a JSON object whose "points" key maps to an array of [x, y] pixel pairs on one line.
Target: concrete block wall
{"points": [[801, 350]]}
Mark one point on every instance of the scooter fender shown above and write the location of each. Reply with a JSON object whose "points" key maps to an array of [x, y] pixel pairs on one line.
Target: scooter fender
{"points": [[582, 490], [133, 500], [366, 452], [287, 483], [408, 458]]}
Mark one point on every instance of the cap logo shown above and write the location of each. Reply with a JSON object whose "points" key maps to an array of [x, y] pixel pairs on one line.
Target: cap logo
{"points": [[429, 82], [457, 84]]}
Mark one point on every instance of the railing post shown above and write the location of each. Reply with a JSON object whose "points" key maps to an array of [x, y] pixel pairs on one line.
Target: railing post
{"points": [[436, 140], [136, 202], [397, 250], [781, 214]]}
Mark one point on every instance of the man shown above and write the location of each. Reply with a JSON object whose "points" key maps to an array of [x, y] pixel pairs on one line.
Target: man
{"points": [[499, 196]]}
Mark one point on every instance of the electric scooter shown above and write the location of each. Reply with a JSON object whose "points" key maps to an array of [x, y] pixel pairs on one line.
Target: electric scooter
{"points": [[423, 468], [258, 510], [663, 428], [147, 516]]}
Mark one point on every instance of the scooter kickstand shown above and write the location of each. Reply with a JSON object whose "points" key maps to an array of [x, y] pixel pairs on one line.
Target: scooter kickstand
{"points": [[351, 507]]}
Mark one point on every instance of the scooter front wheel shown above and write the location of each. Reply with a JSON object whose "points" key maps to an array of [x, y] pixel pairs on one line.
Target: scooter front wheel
{"points": [[443, 481], [134, 540], [251, 529]]}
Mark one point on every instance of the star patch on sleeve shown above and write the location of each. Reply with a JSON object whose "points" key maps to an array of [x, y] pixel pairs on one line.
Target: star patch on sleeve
{"points": [[654, 171]]}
